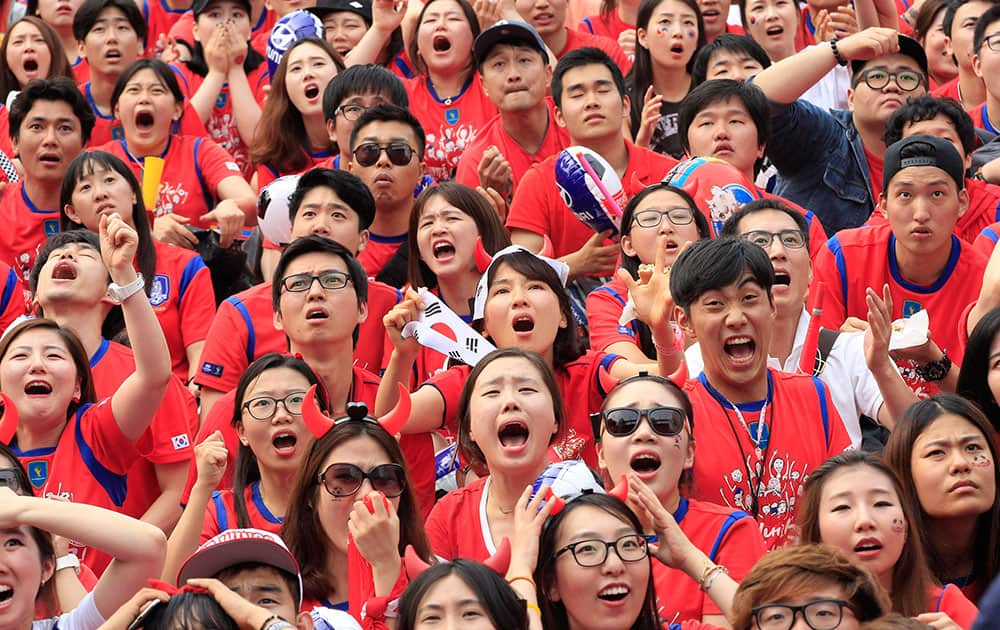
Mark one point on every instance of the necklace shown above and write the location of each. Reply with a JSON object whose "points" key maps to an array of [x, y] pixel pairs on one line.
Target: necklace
{"points": [[503, 510]]}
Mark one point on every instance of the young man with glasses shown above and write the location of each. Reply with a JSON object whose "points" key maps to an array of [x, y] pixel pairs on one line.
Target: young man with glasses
{"points": [[917, 256], [767, 429], [856, 379], [986, 64], [387, 153], [831, 161]]}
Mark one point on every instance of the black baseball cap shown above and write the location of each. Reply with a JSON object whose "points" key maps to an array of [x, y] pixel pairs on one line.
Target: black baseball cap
{"points": [[508, 32], [908, 47], [924, 151], [360, 7], [198, 6]]}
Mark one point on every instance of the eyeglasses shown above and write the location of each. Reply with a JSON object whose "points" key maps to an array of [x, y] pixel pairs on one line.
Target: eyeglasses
{"points": [[907, 80], [264, 407], [624, 421], [299, 282], [593, 553], [351, 112], [821, 614], [993, 42], [344, 480], [399, 153], [792, 239], [653, 217]]}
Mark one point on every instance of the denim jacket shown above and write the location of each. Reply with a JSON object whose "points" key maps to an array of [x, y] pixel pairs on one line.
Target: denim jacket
{"points": [[821, 163]]}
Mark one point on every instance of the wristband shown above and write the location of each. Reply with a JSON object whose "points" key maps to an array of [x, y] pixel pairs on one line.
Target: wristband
{"points": [[708, 577], [69, 561], [121, 292], [525, 578], [836, 53]]}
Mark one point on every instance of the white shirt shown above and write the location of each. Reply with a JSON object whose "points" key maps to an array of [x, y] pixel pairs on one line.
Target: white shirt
{"points": [[852, 386], [84, 617]]}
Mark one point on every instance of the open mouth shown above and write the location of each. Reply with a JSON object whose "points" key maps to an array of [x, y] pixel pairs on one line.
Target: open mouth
{"points": [[49, 158], [144, 120], [113, 55], [64, 271], [285, 441], [613, 593], [441, 43], [523, 323], [677, 48], [645, 463], [774, 30], [740, 348], [444, 250], [312, 91], [6, 592], [316, 313], [710, 14], [782, 278], [513, 434], [37, 388], [867, 546], [30, 65]]}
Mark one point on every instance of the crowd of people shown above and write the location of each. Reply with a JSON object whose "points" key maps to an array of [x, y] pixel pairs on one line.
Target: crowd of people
{"points": [[511, 314]]}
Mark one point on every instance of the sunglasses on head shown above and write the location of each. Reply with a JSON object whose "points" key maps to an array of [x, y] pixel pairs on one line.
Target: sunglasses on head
{"points": [[344, 480], [399, 153], [623, 421]]}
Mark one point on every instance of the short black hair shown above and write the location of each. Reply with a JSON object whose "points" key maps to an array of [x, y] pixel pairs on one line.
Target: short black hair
{"points": [[989, 16], [717, 90], [726, 42], [710, 265], [927, 107], [316, 243], [348, 187], [587, 56], [391, 113], [54, 242], [190, 610], [949, 13], [731, 226], [362, 79], [88, 13], [160, 69], [56, 89]]}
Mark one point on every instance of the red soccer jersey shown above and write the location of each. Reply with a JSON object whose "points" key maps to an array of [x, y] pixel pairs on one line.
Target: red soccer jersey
{"points": [[952, 600], [729, 537], [183, 300], [456, 527], [13, 296], [981, 119], [109, 128], [160, 18], [580, 39], [261, 31], [221, 514], [604, 308], [987, 239], [169, 433], [538, 206], [493, 134], [87, 465], [856, 259], [578, 382], [243, 330], [267, 173], [450, 123], [26, 227], [378, 251], [609, 25], [220, 418], [193, 168], [81, 70], [803, 430], [221, 123]]}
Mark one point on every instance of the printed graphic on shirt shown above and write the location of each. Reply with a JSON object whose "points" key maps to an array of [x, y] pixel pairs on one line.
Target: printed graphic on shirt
{"points": [[778, 489]]}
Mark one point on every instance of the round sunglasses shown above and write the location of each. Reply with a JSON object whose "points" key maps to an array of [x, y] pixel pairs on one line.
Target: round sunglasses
{"points": [[344, 480]]}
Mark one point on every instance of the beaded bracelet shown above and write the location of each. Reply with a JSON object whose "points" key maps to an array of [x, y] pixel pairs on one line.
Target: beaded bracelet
{"points": [[836, 53]]}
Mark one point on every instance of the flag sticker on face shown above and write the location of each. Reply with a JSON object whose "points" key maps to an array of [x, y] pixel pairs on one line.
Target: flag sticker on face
{"points": [[180, 441], [233, 166]]}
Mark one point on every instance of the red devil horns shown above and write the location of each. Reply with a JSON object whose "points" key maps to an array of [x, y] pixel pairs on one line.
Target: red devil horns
{"points": [[680, 375], [413, 564], [557, 503], [607, 381], [548, 250], [500, 560], [620, 491], [319, 423], [483, 257], [9, 410]]}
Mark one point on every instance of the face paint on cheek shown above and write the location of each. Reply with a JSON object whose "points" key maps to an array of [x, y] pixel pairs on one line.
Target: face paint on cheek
{"points": [[691, 35], [661, 32], [753, 20], [677, 442], [981, 461], [898, 525]]}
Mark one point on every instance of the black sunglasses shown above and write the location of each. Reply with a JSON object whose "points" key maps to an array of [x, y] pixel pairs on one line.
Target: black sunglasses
{"points": [[344, 480], [623, 421], [399, 153]]}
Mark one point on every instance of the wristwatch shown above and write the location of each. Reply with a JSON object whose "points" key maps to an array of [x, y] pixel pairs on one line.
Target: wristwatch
{"points": [[934, 371], [69, 561], [121, 292]]}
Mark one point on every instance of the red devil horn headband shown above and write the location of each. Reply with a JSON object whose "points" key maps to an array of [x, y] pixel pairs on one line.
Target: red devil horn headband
{"points": [[319, 423]]}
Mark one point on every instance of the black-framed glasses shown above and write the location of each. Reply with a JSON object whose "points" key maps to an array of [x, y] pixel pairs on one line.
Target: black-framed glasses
{"points": [[344, 480], [264, 407], [399, 153], [820, 614], [299, 282], [907, 80], [653, 217], [351, 112], [992, 42], [792, 239], [623, 421], [593, 553]]}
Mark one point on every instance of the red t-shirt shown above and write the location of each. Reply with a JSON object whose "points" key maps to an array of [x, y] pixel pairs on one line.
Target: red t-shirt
{"points": [[875, 167], [87, 465], [221, 123], [189, 185], [729, 537], [580, 386], [160, 18], [109, 128], [26, 227], [804, 429], [169, 432], [450, 124], [378, 251], [604, 308], [493, 134], [267, 173], [13, 296], [856, 259], [538, 205], [261, 31], [243, 330], [221, 514], [984, 210], [580, 39], [183, 300], [81, 70], [981, 119], [457, 528], [987, 239], [952, 600], [948, 90], [609, 25]]}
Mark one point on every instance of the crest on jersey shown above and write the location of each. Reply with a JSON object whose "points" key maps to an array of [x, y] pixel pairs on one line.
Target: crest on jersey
{"points": [[911, 308], [38, 473], [51, 227], [160, 291], [451, 115]]}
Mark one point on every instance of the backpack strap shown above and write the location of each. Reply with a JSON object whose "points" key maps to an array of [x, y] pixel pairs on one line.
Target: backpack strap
{"points": [[827, 338]]}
